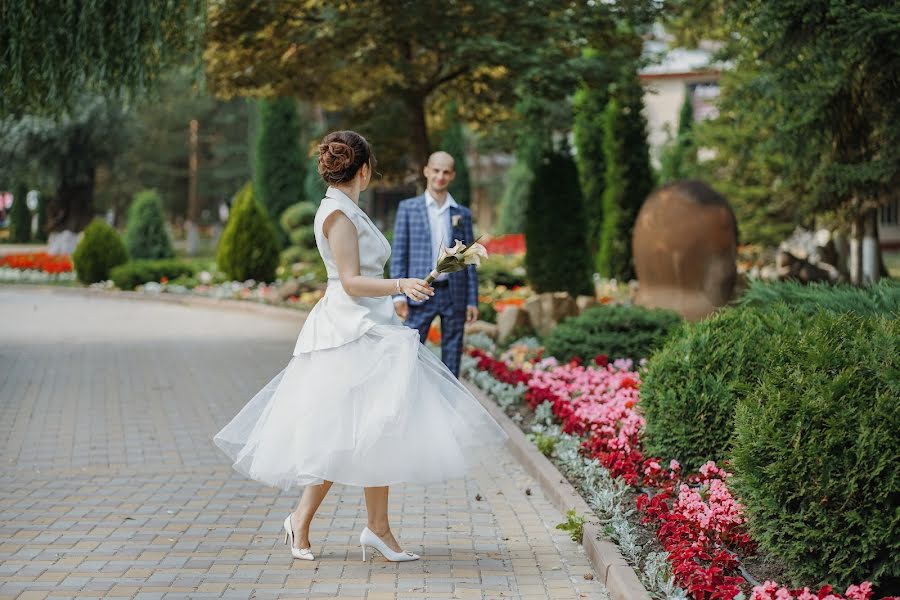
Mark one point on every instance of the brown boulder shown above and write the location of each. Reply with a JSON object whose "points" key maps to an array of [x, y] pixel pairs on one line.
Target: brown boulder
{"points": [[684, 246], [547, 309], [512, 320]]}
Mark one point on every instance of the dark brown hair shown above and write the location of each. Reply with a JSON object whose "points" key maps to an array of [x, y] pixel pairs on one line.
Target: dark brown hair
{"points": [[341, 154]]}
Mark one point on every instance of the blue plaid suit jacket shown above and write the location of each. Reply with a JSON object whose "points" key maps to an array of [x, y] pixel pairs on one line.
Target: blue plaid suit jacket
{"points": [[411, 249]]}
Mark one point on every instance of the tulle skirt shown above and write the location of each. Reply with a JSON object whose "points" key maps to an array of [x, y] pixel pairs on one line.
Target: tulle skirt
{"points": [[379, 410]]}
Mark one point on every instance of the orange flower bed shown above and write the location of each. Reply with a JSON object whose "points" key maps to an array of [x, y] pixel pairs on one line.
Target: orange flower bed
{"points": [[499, 305], [39, 261], [434, 334]]}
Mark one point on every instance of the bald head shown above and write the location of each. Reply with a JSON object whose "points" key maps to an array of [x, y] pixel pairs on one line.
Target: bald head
{"points": [[439, 172], [442, 159]]}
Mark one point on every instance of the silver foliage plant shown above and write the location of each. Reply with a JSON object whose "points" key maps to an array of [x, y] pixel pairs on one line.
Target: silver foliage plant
{"points": [[607, 496]]}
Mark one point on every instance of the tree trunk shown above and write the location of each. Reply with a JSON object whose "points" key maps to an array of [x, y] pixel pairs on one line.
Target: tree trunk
{"points": [[421, 147], [72, 209], [871, 254], [856, 258]]}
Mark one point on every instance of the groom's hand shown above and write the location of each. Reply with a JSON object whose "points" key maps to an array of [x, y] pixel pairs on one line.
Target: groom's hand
{"points": [[401, 308], [471, 314]]}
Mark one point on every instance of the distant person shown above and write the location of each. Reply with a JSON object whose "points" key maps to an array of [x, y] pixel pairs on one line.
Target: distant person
{"points": [[422, 226]]}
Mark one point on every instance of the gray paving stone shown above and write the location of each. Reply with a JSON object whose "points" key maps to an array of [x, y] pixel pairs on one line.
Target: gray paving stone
{"points": [[112, 484]]}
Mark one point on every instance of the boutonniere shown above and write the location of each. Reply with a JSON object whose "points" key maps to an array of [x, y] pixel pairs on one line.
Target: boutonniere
{"points": [[454, 220]]}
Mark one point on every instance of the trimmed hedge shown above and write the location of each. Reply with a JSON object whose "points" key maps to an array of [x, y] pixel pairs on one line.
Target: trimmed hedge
{"points": [[816, 454], [881, 298], [146, 236], [616, 331], [132, 274], [691, 384], [99, 250], [248, 248]]}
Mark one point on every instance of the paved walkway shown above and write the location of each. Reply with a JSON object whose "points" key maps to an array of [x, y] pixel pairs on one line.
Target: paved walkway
{"points": [[111, 486]]}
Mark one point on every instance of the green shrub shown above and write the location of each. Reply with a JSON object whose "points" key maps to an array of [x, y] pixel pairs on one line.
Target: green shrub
{"points": [[146, 236], [816, 456], [502, 269], [134, 273], [297, 220], [881, 298], [691, 384], [616, 331], [248, 248], [99, 250]]}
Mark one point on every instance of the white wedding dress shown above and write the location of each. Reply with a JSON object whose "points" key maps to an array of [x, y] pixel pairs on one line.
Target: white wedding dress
{"points": [[361, 401]]}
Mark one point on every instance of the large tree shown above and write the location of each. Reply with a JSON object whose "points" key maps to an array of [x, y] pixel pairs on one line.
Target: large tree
{"points": [[822, 79], [407, 58], [64, 154], [53, 52]]}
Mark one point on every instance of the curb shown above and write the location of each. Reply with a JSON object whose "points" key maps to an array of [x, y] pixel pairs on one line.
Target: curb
{"points": [[609, 566], [269, 310]]}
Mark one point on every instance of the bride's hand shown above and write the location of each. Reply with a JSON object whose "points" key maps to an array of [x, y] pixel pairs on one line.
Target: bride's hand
{"points": [[416, 289]]}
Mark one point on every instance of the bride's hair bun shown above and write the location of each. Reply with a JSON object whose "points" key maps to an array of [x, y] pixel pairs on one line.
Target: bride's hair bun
{"points": [[341, 154]]}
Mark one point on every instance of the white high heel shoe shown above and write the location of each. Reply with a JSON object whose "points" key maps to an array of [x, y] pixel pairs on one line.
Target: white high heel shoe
{"points": [[368, 539], [301, 553]]}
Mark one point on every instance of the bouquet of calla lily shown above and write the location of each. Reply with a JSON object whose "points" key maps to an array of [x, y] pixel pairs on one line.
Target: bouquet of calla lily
{"points": [[457, 258]]}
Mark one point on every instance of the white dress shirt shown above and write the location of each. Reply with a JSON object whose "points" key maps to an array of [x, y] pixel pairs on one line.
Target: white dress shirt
{"points": [[441, 231]]}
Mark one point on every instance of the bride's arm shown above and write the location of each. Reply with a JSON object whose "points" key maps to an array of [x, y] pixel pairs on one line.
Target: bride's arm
{"points": [[342, 239]]}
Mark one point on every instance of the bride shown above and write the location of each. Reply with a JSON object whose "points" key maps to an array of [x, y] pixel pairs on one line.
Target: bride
{"points": [[361, 402]]}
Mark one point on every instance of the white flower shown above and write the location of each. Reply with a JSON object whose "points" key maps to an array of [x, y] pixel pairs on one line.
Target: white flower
{"points": [[454, 220], [474, 254]]}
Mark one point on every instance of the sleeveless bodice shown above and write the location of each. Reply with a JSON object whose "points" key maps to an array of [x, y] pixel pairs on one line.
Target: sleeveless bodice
{"points": [[339, 318]]}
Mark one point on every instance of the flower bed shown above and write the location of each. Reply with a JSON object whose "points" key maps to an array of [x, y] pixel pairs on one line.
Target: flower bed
{"points": [[697, 521], [37, 261], [35, 267]]}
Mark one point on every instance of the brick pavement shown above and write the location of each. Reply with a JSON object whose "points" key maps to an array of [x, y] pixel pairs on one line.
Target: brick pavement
{"points": [[112, 488]]}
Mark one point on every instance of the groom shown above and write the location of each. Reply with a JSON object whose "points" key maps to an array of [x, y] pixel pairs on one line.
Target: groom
{"points": [[423, 225]]}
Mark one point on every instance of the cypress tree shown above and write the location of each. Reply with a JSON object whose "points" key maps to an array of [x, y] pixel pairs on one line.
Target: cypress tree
{"points": [[454, 143], [589, 105], [248, 248], [146, 236], [680, 155], [280, 166], [629, 178], [20, 217], [557, 258]]}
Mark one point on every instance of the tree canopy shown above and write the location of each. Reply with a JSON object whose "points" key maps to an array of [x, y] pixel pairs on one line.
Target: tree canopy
{"points": [[52, 53], [395, 55]]}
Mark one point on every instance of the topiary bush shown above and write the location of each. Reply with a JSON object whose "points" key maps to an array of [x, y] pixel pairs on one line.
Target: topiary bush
{"points": [[146, 236], [134, 273], [99, 250], [558, 258], [248, 248], [816, 455], [616, 331], [880, 298], [691, 384]]}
